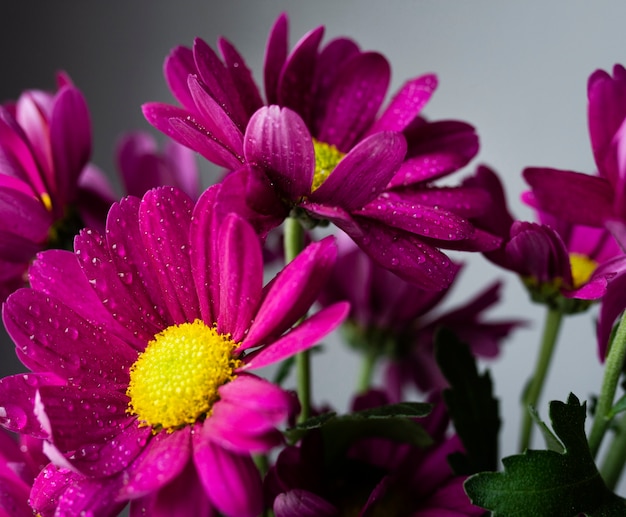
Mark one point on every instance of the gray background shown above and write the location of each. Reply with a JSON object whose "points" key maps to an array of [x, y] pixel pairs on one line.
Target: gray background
{"points": [[515, 70]]}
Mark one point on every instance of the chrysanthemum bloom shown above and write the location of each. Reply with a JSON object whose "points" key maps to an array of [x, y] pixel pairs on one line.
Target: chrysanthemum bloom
{"points": [[311, 144], [593, 200], [143, 167], [562, 264], [141, 343], [374, 477], [48, 191], [396, 321], [19, 464]]}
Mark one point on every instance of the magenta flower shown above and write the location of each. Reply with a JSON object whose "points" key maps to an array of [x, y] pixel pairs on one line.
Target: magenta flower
{"points": [[375, 476], [313, 150], [562, 264], [141, 345], [598, 200], [48, 191], [397, 320], [143, 167]]}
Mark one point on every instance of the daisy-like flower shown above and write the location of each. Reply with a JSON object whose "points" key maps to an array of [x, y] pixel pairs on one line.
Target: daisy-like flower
{"points": [[48, 191], [327, 152], [395, 321], [141, 344], [593, 200], [142, 166], [560, 263]]}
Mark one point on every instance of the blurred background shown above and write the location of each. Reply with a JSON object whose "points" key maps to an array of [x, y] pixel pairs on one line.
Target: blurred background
{"points": [[517, 71]]}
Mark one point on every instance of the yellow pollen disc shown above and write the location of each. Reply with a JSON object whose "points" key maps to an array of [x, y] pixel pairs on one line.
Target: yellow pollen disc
{"points": [[326, 159], [582, 268], [47, 202], [174, 382]]}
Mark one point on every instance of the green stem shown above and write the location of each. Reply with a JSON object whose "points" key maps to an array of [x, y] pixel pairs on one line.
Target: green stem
{"points": [[367, 369], [612, 372], [615, 458], [294, 244], [552, 325]]}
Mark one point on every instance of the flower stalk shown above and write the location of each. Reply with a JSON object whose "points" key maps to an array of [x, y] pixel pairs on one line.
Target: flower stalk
{"points": [[531, 396], [294, 244], [612, 371]]}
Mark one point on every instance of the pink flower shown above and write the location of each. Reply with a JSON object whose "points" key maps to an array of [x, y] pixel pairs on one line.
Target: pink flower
{"points": [[141, 346], [48, 191]]}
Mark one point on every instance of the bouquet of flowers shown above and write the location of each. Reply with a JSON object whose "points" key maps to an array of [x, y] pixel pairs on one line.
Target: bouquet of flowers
{"points": [[146, 321]]}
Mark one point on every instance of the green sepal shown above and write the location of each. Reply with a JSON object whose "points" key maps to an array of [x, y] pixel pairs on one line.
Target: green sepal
{"points": [[617, 408], [471, 405], [548, 483]]}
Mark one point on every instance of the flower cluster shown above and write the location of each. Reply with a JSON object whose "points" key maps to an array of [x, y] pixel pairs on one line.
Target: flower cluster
{"points": [[147, 320]]}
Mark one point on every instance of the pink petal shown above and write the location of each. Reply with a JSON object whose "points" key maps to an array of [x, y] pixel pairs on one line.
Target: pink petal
{"points": [[278, 141], [241, 276], [231, 480], [363, 173], [292, 292], [354, 100], [178, 65], [275, 57], [308, 333], [163, 459], [301, 503], [257, 394]]}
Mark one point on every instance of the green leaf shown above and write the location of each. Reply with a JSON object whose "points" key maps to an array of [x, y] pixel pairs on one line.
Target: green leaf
{"points": [[548, 483], [471, 405], [393, 421], [552, 442], [619, 406]]}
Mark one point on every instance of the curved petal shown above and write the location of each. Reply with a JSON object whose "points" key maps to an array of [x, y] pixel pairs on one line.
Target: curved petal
{"points": [[231, 480], [363, 173], [163, 459], [164, 220], [292, 292], [257, 394], [301, 503], [305, 335], [24, 215], [354, 100], [240, 276], [582, 199], [294, 88], [178, 66], [406, 104], [278, 141], [275, 56]]}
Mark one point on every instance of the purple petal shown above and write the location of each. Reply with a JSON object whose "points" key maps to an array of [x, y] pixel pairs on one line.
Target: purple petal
{"points": [[182, 497], [331, 61], [53, 335], [242, 78], [278, 141], [231, 480], [612, 306], [164, 219], [24, 215], [233, 421], [17, 402], [90, 496], [164, 458], [218, 82], [355, 98], [363, 173], [275, 56], [16, 248], [406, 104], [241, 276], [581, 199], [292, 292], [184, 127], [300, 503], [308, 333], [257, 394], [215, 120], [294, 89], [70, 138], [178, 66], [423, 220]]}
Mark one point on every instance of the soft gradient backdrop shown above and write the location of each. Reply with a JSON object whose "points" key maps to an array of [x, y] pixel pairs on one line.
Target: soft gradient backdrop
{"points": [[517, 71]]}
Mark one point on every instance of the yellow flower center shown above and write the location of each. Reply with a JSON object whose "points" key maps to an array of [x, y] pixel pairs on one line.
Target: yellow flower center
{"points": [[326, 159], [582, 268], [46, 200], [174, 382]]}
